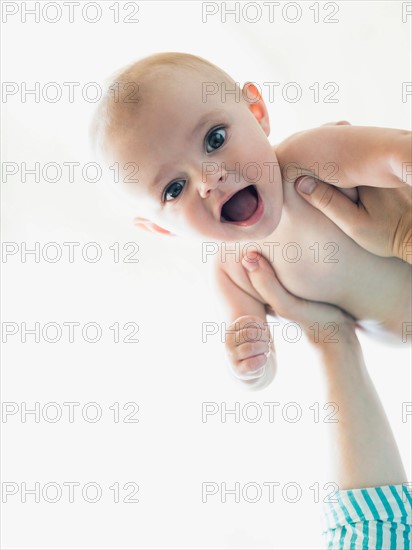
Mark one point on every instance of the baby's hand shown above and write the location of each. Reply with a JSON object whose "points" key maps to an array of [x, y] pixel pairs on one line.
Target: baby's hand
{"points": [[248, 345]]}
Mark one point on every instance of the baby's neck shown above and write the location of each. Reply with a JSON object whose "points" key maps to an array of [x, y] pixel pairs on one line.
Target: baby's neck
{"points": [[287, 220]]}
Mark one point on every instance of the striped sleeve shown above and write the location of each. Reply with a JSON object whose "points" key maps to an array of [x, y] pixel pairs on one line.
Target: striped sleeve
{"points": [[377, 517]]}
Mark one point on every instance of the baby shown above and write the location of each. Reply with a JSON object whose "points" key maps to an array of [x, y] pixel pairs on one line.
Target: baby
{"points": [[202, 167]]}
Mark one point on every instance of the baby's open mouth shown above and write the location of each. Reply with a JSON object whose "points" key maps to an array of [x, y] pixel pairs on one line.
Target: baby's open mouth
{"points": [[241, 206]]}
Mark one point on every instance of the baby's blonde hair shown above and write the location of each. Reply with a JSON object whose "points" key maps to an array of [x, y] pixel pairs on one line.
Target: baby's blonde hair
{"points": [[128, 87]]}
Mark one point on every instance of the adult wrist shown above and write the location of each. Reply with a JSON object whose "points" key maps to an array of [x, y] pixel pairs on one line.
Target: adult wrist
{"points": [[338, 345]]}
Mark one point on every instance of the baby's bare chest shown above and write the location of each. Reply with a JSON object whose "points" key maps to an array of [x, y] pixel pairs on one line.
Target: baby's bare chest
{"points": [[314, 259]]}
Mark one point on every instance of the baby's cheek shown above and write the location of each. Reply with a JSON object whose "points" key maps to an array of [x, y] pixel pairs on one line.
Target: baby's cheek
{"points": [[197, 224]]}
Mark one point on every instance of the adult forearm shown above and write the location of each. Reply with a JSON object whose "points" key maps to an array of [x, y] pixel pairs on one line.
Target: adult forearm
{"points": [[363, 448]]}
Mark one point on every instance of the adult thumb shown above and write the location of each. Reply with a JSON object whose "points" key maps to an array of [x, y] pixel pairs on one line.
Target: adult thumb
{"points": [[266, 283], [331, 201]]}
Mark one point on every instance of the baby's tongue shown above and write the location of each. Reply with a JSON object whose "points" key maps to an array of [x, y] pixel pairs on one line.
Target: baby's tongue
{"points": [[241, 206]]}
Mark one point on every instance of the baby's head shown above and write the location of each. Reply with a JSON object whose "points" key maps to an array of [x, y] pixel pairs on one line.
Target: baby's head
{"points": [[192, 148]]}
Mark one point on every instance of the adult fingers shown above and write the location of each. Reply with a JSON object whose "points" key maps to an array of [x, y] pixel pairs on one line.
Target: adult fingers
{"points": [[265, 282], [336, 205]]}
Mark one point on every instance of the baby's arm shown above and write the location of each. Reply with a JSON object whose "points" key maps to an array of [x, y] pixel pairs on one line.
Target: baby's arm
{"points": [[248, 345]]}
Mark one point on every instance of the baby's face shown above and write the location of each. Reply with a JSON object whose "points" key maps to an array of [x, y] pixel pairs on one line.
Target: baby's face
{"points": [[205, 166]]}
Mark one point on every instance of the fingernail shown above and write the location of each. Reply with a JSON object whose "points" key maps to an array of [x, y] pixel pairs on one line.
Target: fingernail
{"points": [[307, 185], [250, 264]]}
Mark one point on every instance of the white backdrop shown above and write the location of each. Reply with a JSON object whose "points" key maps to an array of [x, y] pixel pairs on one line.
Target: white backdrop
{"points": [[169, 453]]}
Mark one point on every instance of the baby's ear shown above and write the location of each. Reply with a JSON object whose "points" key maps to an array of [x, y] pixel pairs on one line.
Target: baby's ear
{"points": [[147, 225], [256, 105]]}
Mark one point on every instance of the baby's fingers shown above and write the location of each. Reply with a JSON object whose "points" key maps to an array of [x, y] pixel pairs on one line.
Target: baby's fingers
{"points": [[248, 350], [248, 328], [253, 367]]}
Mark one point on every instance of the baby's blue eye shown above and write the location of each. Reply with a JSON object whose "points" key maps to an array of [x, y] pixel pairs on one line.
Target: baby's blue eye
{"points": [[173, 190], [215, 139]]}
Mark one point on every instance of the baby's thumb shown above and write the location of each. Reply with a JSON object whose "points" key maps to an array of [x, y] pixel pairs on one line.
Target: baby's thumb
{"points": [[331, 201]]}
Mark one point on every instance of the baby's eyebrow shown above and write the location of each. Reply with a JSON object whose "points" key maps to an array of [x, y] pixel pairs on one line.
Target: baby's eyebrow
{"points": [[158, 177], [203, 119]]}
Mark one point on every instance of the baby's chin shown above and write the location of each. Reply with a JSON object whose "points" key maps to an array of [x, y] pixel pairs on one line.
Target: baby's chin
{"points": [[228, 232], [260, 224], [255, 235]]}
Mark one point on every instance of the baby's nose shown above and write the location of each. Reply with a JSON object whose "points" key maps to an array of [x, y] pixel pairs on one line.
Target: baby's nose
{"points": [[212, 177]]}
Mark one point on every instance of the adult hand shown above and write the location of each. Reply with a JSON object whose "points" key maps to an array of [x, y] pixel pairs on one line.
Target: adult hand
{"points": [[363, 451], [380, 221], [324, 325], [379, 216]]}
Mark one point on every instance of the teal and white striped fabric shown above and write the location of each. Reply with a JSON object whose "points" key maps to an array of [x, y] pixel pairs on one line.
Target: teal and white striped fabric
{"points": [[374, 518]]}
